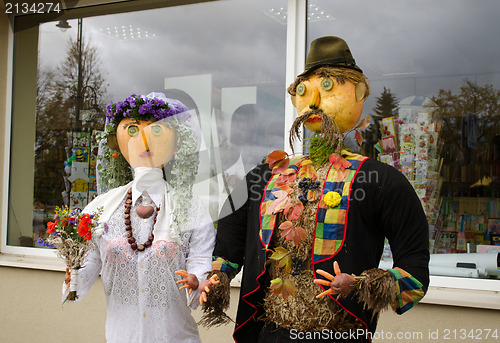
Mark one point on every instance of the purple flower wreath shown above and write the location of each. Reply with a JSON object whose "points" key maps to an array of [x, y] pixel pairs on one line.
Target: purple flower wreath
{"points": [[140, 108]]}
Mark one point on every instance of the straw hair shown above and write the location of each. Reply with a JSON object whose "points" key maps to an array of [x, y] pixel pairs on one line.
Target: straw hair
{"points": [[341, 76]]}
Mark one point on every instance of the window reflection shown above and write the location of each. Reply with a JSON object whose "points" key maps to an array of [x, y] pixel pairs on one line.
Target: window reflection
{"points": [[435, 89], [222, 62]]}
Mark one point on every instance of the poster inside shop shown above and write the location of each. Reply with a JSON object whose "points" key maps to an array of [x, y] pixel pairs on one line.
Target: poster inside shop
{"points": [[81, 169]]}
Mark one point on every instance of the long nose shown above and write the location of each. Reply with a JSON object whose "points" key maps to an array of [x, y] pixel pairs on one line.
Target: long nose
{"points": [[144, 139], [315, 99]]}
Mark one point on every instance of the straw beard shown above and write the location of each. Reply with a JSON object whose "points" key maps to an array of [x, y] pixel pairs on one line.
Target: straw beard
{"points": [[329, 129]]}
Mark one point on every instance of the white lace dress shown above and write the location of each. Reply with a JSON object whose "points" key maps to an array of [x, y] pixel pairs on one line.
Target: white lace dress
{"points": [[144, 303]]}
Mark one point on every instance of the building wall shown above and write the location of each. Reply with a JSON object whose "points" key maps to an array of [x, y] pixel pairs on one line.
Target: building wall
{"points": [[31, 310]]}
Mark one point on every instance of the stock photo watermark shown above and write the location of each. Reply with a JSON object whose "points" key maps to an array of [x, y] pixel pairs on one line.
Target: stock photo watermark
{"points": [[431, 334]]}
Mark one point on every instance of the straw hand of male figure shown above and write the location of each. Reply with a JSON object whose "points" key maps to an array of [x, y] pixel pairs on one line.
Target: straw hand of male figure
{"points": [[339, 284]]}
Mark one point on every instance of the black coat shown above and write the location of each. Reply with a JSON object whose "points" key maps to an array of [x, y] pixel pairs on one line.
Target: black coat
{"points": [[383, 204]]}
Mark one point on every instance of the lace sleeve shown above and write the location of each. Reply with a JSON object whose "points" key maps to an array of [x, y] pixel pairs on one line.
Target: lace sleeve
{"points": [[201, 242]]}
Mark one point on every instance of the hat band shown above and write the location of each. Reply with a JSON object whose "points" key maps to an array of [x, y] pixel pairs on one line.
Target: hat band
{"points": [[341, 62]]}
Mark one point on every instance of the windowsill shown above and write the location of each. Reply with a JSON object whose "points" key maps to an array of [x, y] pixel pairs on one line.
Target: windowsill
{"points": [[32, 262], [443, 290], [463, 297]]}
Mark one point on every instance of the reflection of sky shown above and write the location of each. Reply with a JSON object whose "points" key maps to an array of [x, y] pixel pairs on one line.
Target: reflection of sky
{"points": [[412, 47], [234, 41], [417, 47]]}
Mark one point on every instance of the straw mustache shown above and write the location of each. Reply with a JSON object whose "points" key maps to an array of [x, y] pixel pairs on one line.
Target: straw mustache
{"points": [[329, 129]]}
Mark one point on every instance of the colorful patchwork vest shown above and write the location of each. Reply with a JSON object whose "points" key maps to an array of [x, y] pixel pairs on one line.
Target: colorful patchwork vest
{"points": [[331, 223]]}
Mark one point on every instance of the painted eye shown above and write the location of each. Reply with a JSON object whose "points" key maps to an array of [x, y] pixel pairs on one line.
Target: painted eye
{"points": [[156, 130], [326, 84], [301, 89], [132, 130]]}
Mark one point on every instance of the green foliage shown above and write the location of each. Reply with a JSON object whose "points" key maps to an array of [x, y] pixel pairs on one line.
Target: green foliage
{"points": [[319, 149], [387, 105]]}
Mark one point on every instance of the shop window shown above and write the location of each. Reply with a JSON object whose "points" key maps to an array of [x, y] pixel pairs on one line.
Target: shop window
{"points": [[224, 60], [434, 107]]}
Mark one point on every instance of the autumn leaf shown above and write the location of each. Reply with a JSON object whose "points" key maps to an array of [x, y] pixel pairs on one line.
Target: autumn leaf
{"points": [[278, 161], [289, 171], [280, 193], [281, 166], [285, 188], [296, 211], [307, 170], [311, 195], [359, 137], [339, 162], [278, 254], [286, 225], [282, 202], [285, 179], [287, 289], [276, 156], [288, 230], [276, 286], [292, 232], [286, 262], [283, 257], [363, 124], [299, 235]]}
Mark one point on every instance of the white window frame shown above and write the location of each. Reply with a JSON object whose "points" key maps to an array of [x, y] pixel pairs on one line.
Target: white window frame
{"points": [[478, 293]]}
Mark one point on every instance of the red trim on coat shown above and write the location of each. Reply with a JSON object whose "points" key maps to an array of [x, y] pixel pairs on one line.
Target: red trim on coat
{"points": [[249, 303], [265, 259], [313, 263]]}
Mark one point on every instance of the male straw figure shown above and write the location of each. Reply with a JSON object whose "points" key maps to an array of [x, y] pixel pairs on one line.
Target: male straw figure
{"points": [[300, 221]]}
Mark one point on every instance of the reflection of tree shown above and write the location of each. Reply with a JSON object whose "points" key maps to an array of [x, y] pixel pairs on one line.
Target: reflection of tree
{"points": [[56, 114], [473, 100], [92, 80], [473, 105], [45, 77], [386, 106]]}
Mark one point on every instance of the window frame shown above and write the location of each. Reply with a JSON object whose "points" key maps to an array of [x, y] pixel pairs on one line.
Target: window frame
{"points": [[452, 291]]}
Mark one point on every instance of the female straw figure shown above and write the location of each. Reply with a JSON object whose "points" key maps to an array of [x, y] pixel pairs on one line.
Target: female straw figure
{"points": [[154, 227]]}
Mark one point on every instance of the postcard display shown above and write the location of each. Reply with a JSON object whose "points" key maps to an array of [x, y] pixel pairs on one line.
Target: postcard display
{"points": [[466, 222], [81, 170], [411, 143]]}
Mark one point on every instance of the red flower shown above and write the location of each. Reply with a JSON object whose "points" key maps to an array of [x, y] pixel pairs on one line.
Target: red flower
{"points": [[51, 227], [88, 236], [83, 226]]}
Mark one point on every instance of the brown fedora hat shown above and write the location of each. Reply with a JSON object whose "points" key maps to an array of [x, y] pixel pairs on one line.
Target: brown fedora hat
{"points": [[329, 51]]}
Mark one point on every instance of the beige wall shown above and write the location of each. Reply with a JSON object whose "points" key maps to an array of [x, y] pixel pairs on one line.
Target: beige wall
{"points": [[31, 311]]}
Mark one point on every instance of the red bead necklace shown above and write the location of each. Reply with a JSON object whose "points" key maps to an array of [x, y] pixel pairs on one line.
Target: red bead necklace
{"points": [[128, 226]]}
